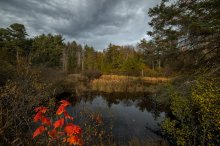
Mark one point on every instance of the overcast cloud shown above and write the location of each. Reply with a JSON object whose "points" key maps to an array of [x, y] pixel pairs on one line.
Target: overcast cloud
{"points": [[94, 22]]}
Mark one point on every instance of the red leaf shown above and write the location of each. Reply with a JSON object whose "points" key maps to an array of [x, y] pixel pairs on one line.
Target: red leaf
{"points": [[73, 140], [58, 123], [38, 131], [60, 110], [52, 133], [41, 109], [67, 116], [65, 103], [37, 117], [71, 129], [45, 120]]}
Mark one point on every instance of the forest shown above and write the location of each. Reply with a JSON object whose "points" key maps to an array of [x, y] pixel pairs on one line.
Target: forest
{"points": [[178, 67]]}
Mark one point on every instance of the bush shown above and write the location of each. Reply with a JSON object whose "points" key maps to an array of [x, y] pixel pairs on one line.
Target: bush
{"points": [[17, 100], [7, 72], [195, 118]]}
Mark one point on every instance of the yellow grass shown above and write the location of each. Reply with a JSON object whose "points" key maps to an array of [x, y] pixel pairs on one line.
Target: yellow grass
{"points": [[122, 78], [115, 83]]}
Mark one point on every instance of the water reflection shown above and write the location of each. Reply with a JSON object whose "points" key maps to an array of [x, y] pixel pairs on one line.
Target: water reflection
{"points": [[132, 115]]}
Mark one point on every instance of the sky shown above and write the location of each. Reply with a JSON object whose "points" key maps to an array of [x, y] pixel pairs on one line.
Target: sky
{"points": [[93, 22]]}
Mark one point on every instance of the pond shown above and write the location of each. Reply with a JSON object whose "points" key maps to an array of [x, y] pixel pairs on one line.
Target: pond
{"points": [[129, 115]]}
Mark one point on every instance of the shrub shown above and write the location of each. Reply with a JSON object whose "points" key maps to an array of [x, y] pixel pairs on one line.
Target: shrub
{"points": [[196, 117], [17, 99], [7, 72]]}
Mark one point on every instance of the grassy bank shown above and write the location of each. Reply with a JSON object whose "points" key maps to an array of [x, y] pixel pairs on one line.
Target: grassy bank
{"points": [[115, 83]]}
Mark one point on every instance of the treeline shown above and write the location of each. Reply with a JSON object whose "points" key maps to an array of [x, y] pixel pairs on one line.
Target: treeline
{"points": [[182, 41], [51, 51], [15, 46], [115, 59]]}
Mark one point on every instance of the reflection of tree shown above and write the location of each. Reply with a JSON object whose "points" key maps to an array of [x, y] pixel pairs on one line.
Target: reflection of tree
{"points": [[145, 103], [88, 97], [111, 99], [149, 104], [128, 102], [142, 101]]}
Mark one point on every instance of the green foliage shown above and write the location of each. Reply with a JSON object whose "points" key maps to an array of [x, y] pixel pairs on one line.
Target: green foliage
{"points": [[195, 117], [47, 49], [50, 51], [206, 97], [89, 58], [187, 32], [112, 56], [131, 66], [122, 60], [72, 56], [13, 47], [150, 53], [13, 42]]}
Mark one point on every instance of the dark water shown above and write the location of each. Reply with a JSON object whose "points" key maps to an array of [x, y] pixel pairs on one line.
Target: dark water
{"points": [[130, 115]]}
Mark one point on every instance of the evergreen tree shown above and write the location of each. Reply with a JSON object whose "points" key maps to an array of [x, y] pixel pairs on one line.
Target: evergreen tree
{"points": [[188, 30]]}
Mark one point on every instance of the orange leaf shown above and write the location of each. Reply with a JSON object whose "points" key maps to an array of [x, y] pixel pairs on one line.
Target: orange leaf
{"points": [[60, 110], [58, 123], [37, 117], [71, 129], [65, 103], [38, 131], [45, 120], [41, 109], [73, 140], [67, 116]]}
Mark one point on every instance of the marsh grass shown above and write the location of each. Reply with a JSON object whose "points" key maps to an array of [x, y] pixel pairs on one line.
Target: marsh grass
{"points": [[115, 83]]}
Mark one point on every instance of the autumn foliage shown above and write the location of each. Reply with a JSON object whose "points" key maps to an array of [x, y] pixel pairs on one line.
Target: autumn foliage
{"points": [[59, 129]]}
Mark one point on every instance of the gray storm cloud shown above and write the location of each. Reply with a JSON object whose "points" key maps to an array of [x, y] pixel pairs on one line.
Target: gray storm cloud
{"points": [[94, 22]]}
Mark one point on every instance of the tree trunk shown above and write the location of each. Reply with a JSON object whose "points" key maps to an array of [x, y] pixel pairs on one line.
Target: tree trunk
{"points": [[17, 56], [79, 58], [82, 61], [159, 63], [65, 60], [153, 65]]}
